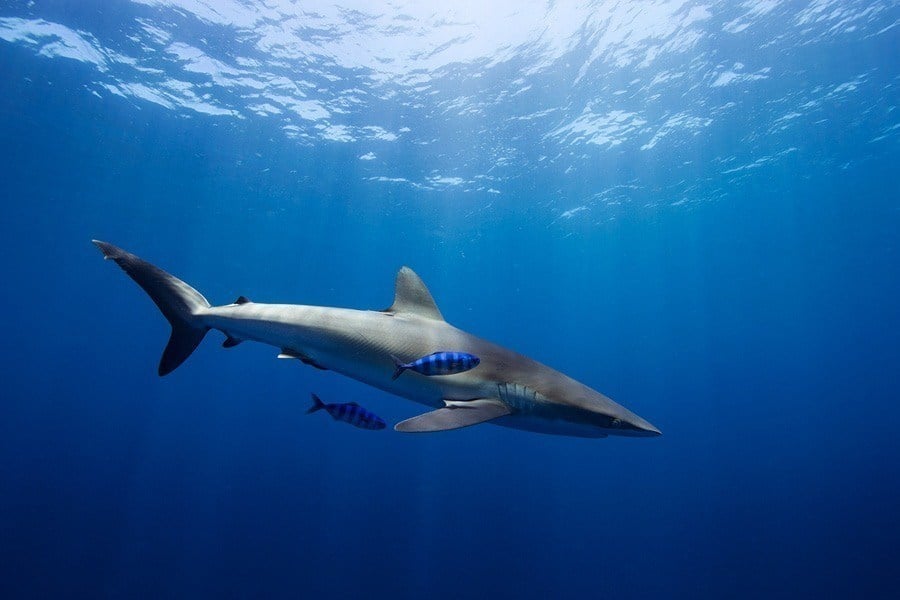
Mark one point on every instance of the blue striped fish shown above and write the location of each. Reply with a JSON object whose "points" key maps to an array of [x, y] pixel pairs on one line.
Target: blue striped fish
{"points": [[349, 412], [438, 363]]}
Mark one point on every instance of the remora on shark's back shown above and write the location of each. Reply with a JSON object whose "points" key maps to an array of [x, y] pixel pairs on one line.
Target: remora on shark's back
{"points": [[507, 388], [437, 363]]}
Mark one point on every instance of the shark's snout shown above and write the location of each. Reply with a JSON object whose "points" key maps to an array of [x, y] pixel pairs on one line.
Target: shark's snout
{"points": [[631, 426], [647, 430], [638, 427]]}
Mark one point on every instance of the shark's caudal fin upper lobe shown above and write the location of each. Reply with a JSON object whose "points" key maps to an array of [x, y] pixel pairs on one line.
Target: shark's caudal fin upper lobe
{"points": [[179, 303]]}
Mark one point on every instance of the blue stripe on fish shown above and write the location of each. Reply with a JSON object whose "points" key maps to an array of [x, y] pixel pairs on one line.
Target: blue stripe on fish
{"points": [[438, 363], [349, 412]]}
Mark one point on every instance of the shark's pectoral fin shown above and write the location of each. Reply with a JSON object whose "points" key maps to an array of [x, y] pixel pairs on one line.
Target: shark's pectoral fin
{"points": [[455, 415]]}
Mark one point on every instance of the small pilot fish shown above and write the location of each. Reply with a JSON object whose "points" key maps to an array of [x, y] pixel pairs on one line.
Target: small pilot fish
{"points": [[438, 363], [349, 412]]}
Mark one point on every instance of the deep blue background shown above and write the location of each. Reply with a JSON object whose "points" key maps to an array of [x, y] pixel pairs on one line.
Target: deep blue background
{"points": [[760, 333]]}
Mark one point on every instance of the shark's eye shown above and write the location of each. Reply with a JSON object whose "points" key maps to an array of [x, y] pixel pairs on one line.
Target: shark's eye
{"points": [[616, 422]]}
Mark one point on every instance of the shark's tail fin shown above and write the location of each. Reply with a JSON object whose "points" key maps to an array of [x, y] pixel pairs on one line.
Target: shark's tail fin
{"points": [[179, 302], [317, 404], [399, 367]]}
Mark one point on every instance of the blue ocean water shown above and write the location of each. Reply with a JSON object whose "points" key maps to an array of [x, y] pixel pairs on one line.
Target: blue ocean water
{"points": [[691, 207]]}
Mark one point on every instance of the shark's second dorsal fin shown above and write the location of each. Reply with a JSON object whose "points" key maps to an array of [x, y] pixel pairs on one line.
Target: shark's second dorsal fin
{"points": [[411, 296]]}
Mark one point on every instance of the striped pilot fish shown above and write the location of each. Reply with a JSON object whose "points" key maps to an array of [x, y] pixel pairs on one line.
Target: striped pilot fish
{"points": [[438, 363], [349, 412]]}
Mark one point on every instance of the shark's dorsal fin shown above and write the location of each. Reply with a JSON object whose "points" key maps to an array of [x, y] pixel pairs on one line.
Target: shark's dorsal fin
{"points": [[411, 296]]}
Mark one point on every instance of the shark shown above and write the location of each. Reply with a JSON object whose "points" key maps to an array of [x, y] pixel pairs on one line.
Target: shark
{"points": [[506, 388]]}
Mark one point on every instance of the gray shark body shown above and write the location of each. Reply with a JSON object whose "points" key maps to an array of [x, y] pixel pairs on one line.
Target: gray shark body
{"points": [[506, 388]]}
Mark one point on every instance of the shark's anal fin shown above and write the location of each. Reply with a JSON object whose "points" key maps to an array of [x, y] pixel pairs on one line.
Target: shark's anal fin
{"points": [[288, 353], [230, 342], [242, 300], [455, 415]]}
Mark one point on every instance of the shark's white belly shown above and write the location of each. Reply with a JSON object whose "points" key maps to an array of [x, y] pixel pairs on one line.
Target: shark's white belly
{"points": [[358, 344]]}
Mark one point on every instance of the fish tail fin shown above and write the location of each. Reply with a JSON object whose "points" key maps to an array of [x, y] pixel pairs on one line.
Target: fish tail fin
{"points": [[181, 304], [399, 367], [317, 404]]}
